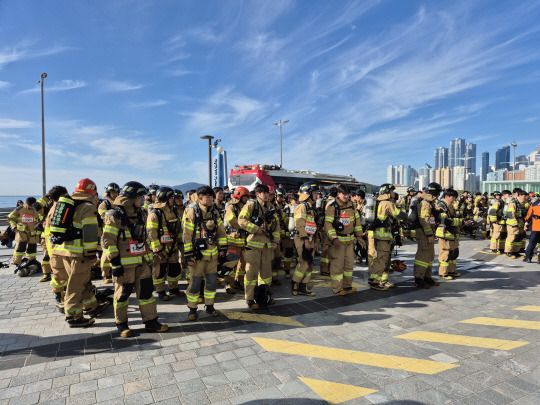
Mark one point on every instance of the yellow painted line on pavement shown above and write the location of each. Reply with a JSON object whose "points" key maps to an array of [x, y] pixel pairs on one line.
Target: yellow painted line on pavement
{"points": [[262, 318], [528, 308], [488, 343], [357, 357], [336, 393], [507, 323]]}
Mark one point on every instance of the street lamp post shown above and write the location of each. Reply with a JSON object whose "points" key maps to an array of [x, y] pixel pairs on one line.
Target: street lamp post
{"points": [[514, 144], [280, 142], [43, 76], [209, 137]]}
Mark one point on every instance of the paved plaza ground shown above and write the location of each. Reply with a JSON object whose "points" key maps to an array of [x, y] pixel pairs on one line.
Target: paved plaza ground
{"points": [[474, 340]]}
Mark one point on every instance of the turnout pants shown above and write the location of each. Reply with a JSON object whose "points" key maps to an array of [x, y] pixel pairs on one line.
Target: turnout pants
{"points": [[514, 239], [138, 278], [46, 262], [303, 270], [206, 269], [79, 291], [325, 253], [241, 266], [448, 254], [498, 237], [276, 262], [423, 261], [167, 267], [378, 273], [341, 265], [60, 276], [105, 265], [24, 243], [258, 269]]}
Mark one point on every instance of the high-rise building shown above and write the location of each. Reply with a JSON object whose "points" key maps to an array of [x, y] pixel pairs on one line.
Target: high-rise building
{"points": [[460, 177], [456, 152], [407, 176], [440, 156], [484, 167], [445, 179], [390, 175], [502, 158], [470, 154]]}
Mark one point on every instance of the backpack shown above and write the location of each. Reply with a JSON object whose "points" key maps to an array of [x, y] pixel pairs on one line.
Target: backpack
{"points": [[200, 244], [62, 229], [263, 295]]}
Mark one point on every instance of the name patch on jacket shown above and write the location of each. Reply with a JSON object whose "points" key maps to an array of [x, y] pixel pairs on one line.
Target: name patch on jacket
{"points": [[135, 248], [27, 219]]}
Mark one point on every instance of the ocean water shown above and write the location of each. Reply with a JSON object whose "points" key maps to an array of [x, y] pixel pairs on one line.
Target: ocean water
{"points": [[10, 201]]}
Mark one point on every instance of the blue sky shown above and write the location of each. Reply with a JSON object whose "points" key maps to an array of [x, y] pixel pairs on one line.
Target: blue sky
{"points": [[132, 85]]}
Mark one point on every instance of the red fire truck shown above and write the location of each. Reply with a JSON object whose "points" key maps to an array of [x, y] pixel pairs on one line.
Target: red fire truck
{"points": [[273, 175]]}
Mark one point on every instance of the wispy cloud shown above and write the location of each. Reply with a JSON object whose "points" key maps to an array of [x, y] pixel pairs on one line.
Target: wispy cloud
{"points": [[4, 85], [155, 103], [12, 124], [225, 109], [27, 50], [119, 86], [59, 86]]}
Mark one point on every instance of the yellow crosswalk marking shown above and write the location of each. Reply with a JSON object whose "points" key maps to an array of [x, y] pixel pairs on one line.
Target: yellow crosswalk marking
{"points": [[488, 343], [357, 357], [529, 308], [335, 393], [508, 323], [262, 318]]}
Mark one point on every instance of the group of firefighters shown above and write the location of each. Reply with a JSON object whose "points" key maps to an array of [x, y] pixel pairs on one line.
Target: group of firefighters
{"points": [[143, 239]]}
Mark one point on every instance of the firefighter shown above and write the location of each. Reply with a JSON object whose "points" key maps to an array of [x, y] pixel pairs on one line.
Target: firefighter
{"points": [[43, 206], [23, 220], [447, 234], [126, 247], [289, 250], [404, 204], [79, 252], [219, 202], [385, 226], [425, 225], [360, 201], [276, 261], [287, 244], [325, 239], [59, 274], [236, 236], [533, 223], [515, 224], [342, 224], [179, 210], [204, 233], [111, 192], [259, 219], [164, 232], [497, 221], [480, 213], [305, 238], [150, 198]]}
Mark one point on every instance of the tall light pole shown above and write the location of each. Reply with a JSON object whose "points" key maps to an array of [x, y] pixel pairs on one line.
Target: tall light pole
{"points": [[43, 76], [209, 137], [514, 144], [280, 142]]}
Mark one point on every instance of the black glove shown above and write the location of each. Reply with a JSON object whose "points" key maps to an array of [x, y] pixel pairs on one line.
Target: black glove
{"points": [[117, 269], [189, 258], [448, 222]]}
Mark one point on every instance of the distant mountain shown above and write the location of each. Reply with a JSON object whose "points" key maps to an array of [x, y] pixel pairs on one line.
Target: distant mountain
{"points": [[188, 186]]}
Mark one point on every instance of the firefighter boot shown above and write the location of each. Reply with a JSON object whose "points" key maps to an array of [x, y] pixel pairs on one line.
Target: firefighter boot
{"points": [[46, 277], [429, 281], [80, 322], [176, 291], [192, 314], [124, 330], [163, 296], [420, 283], [252, 304], [59, 302], [294, 288], [212, 311], [303, 290], [155, 326]]}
